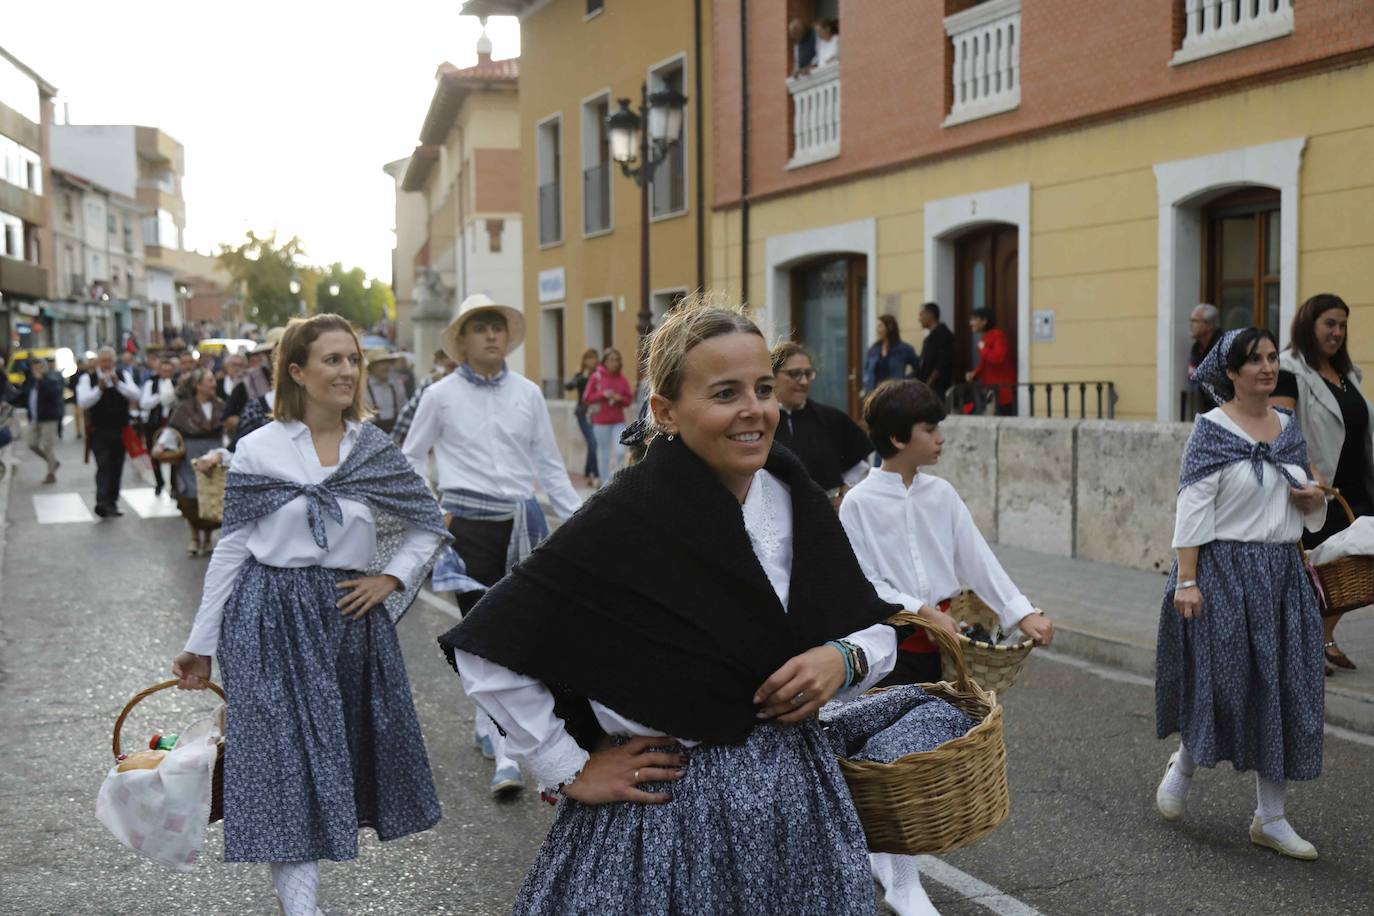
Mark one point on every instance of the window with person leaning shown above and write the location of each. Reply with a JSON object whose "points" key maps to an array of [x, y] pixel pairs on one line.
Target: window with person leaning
{"points": [[1318, 381]]}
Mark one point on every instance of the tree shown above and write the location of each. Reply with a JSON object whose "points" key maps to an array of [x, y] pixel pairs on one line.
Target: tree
{"points": [[362, 301], [263, 270]]}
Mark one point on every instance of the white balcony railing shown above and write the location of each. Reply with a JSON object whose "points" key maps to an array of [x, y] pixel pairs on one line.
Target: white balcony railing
{"points": [[986, 68], [815, 115], [1217, 26]]}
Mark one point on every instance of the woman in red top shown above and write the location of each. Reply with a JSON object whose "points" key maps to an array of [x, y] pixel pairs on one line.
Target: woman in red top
{"points": [[996, 363], [607, 395]]}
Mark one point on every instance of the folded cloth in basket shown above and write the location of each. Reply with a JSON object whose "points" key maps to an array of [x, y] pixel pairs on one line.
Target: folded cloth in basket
{"points": [[892, 724], [1355, 541]]}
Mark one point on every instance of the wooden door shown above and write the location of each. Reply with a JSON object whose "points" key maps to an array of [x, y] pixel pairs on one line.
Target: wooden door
{"points": [[828, 301], [985, 270]]}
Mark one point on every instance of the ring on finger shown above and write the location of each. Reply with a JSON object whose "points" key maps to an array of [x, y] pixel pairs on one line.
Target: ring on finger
{"points": [[636, 777], [799, 699]]}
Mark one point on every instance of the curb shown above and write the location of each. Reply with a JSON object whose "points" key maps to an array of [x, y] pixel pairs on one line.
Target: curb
{"points": [[5, 484], [1348, 709]]}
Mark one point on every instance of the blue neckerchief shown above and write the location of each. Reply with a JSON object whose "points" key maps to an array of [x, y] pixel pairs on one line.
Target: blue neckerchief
{"points": [[1213, 446], [481, 381]]}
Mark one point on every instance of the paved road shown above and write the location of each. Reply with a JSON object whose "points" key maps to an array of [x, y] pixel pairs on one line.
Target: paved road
{"points": [[92, 612]]}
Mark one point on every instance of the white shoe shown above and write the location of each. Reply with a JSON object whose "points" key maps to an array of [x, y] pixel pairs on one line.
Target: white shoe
{"points": [[1170, 806], [1295, 847]]}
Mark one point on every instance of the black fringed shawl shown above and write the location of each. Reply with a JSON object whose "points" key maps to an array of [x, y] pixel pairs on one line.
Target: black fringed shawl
{"points": [[651, 601]]}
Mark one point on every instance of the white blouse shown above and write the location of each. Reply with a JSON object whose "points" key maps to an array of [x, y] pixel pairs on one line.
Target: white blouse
{"points": [[918, 545], [284, 449], [1230, 505], [524, 707]]}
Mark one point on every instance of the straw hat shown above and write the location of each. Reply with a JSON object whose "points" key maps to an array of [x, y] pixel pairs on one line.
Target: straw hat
{"points": [[515, 323], [378, 355], [274, 336]]}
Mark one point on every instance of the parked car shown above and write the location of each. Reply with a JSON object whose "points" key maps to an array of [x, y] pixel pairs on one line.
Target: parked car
{"points": [[60, 358]]}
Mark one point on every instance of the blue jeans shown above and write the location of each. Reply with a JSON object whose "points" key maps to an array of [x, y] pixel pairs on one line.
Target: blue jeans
{"points": [[584, 423], [609, 452]]}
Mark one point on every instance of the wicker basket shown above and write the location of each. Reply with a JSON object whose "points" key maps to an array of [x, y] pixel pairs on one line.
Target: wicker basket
{"points": [[946, 798], [993, 667], [1346, 583], [169, 455], [210, 493], [217, 782]]}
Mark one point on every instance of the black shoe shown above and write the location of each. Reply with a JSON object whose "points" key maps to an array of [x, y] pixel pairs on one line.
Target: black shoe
{"points": [[103, 511], [114, 510], [158, 490]]}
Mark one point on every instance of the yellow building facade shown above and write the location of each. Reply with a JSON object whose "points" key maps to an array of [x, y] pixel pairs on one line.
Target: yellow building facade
{"points": [[1112, 219], [581, 214]]}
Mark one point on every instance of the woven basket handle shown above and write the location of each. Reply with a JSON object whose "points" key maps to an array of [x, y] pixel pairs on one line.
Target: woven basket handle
{"points": [[948, 644], [1332, 491], [140, 697]]}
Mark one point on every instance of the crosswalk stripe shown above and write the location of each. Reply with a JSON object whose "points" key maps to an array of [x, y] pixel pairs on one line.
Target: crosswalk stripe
{"points": [[146, 502], [58, 508]]}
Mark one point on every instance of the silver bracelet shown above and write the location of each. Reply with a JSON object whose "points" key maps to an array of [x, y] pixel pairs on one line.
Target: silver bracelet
{"points": [[1186, 583]]}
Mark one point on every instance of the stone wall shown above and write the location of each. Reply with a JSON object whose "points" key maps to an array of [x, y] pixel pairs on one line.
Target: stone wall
{"points": [[1096, 489]]}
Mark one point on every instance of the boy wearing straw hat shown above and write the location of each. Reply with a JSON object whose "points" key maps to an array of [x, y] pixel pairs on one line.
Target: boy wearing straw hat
{"points": [[917, 544], [492, 439], [386, 393]]}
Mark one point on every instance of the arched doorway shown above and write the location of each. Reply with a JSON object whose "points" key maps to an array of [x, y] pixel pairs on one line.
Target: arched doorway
{"points": [[985, 276], [829, 298]]}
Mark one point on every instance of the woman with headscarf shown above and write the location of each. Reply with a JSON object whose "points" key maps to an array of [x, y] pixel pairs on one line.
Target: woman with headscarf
{"points": [[199, 417], [1320, 384], [685, 664], [1239, 657]]}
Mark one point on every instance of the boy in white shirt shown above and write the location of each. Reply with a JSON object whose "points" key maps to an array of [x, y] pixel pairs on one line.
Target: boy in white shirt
{"points": [[916, 542]]}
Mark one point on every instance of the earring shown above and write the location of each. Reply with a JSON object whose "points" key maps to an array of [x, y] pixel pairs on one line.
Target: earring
{"points": [[672, 436]]}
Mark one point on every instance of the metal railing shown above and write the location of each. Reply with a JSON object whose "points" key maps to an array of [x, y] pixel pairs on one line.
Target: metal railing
{"points": [[550, 213], [1068, 400], [596, 198]]}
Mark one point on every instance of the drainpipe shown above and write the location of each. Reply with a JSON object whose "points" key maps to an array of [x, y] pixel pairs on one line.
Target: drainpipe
{"points": [[744, 148], [700, 146]]}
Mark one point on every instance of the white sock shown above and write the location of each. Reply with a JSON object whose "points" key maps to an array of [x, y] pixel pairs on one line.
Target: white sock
{"points": [[298, 885], [1180, 776], [901, 881], [1270, 796]]}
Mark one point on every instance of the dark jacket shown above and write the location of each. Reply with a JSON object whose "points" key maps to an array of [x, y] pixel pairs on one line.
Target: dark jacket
{"points": [[51, 391], [937, 356], [879, 368]]}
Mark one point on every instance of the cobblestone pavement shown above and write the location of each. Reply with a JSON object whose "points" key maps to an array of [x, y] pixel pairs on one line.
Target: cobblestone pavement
{"points": [[92, 612]]}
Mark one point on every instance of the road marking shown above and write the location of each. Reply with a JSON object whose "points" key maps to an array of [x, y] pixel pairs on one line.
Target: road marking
{"points": [[59, 508], [980, 892], [146, 502]]}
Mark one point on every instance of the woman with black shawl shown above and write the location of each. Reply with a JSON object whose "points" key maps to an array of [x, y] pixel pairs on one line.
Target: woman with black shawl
{"points": [[199, 417], [1239, 657], [731, 608]]}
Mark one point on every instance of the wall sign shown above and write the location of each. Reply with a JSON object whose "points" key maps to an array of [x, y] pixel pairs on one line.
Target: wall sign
{"points": [[552, 285]]}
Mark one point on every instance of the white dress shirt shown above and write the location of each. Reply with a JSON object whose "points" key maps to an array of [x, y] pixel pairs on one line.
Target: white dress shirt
{"points": [[387, 396], [157, 391], [285, 450], [1231, 505], [87, 395], [496, 440], [919, 545], [524, 707]]}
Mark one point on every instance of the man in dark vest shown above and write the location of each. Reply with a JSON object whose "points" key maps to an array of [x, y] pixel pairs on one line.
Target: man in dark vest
{"points": [[107, 394]]}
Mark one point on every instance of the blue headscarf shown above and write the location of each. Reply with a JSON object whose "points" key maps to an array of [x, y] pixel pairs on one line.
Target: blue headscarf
{"points": [[1213, 446]]}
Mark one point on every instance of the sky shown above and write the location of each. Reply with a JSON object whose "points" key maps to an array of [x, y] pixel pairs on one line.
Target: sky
{"points": [[287, 109]]}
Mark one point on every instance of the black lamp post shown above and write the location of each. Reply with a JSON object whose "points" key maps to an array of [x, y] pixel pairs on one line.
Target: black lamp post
{"points": [[630, 144]]}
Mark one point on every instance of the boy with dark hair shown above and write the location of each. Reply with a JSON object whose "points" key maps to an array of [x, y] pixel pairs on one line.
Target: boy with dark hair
{"points": [[917, 544]]}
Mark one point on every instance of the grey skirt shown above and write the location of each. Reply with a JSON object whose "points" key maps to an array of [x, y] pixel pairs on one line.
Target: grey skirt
{"points": [[761, 828], [1244, 682], [322, 736]]}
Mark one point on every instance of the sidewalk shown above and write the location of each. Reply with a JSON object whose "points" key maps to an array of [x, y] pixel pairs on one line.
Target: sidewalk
{"points": [[1108, 615]]}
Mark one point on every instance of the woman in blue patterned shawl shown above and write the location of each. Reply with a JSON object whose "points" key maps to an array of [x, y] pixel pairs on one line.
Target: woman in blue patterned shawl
{"points": [[1239, 666], [300, 605]]}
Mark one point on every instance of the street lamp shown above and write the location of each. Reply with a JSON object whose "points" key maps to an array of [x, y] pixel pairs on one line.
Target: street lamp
{"points": [[662, 110], [333, 289], [295, 287]]}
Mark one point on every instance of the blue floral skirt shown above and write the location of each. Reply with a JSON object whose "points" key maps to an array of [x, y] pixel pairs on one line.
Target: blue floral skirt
{"points": [[761, 828], [1244, 682], [322, 736]]}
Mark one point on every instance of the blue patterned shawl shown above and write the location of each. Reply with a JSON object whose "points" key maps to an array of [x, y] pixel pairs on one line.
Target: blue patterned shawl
{"points": [[1212, 447], [376, 473]]}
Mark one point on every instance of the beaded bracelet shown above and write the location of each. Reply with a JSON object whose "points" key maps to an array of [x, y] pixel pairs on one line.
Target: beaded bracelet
{"points": [[843, 649]]}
